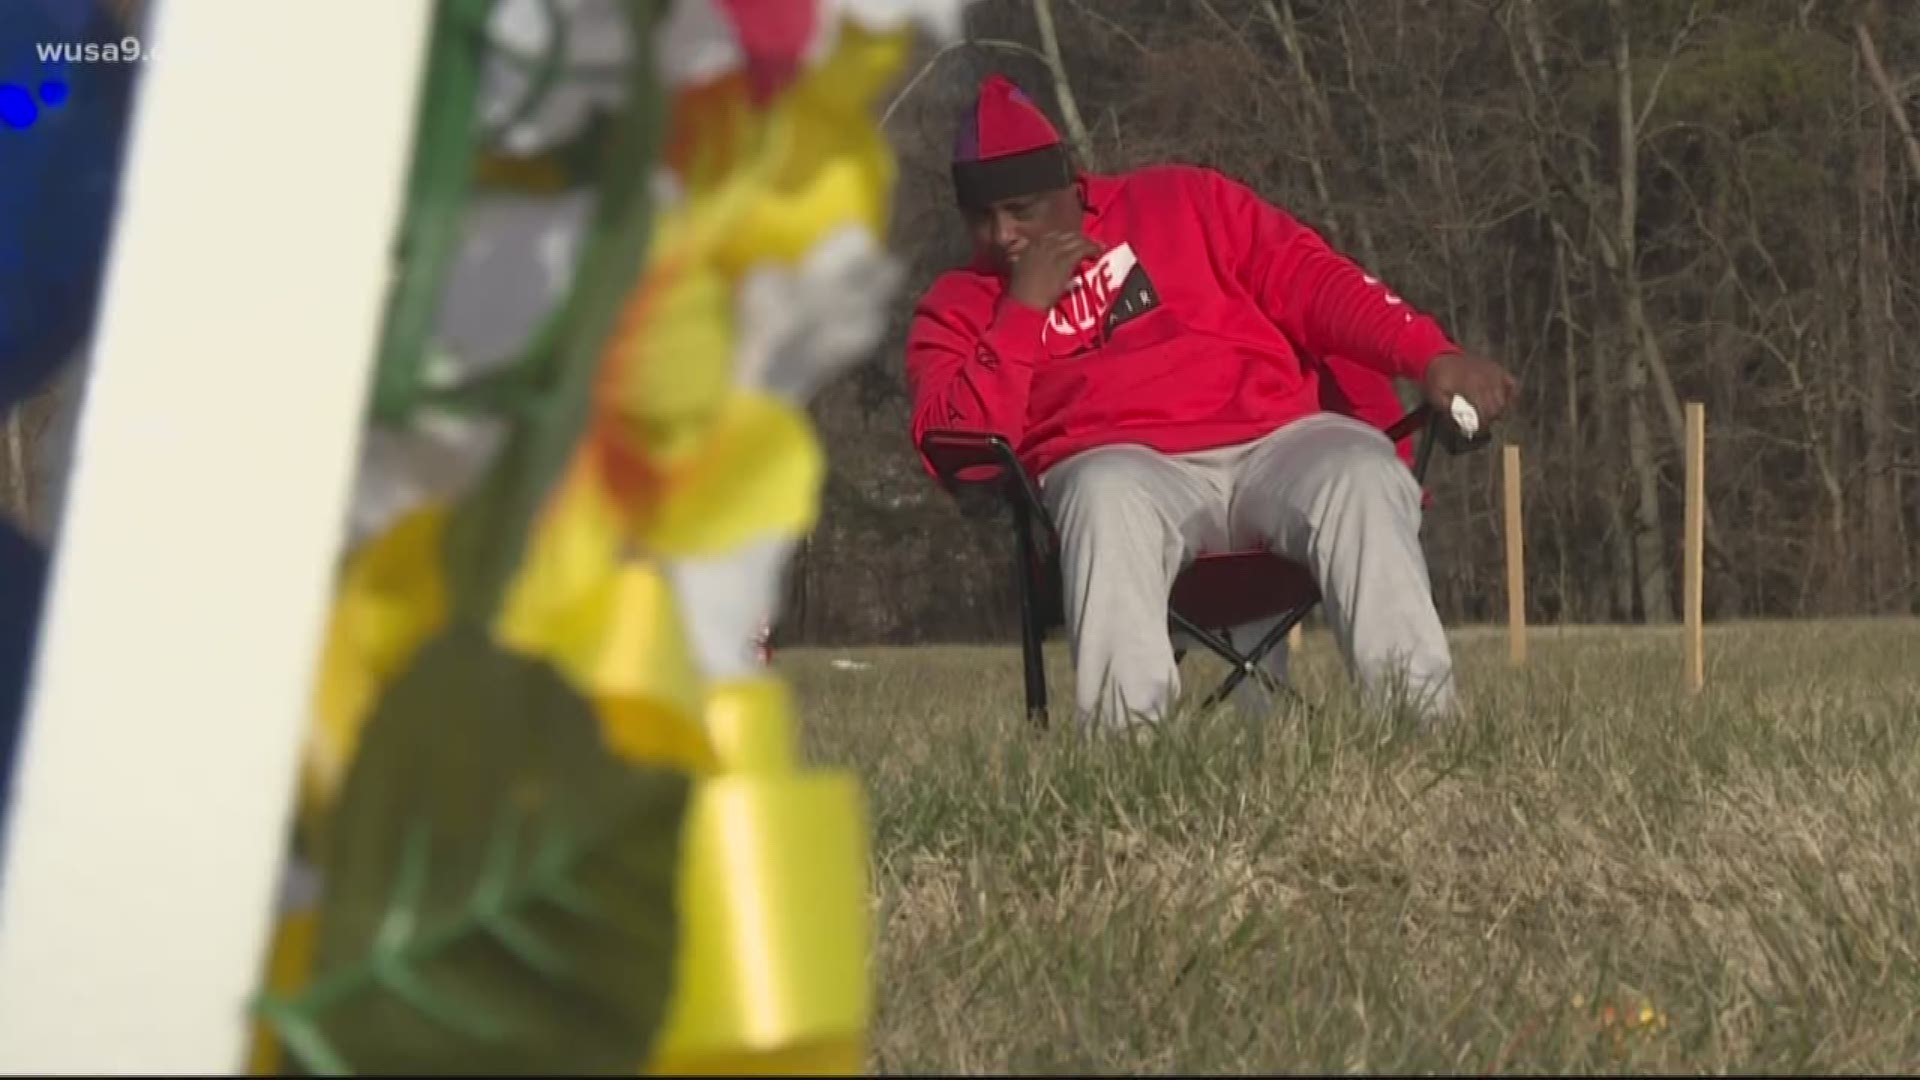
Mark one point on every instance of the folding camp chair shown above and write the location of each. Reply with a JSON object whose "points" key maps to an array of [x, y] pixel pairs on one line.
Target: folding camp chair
{"points": [[1215, 592]]}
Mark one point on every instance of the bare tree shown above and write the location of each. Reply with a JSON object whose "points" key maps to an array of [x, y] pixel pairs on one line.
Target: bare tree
{"points": [[1062, 82], [1886, 546]]}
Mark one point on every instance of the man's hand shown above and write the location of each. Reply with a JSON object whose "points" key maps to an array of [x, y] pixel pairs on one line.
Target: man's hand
{"points": [[1043, 271], [1485, 384]]}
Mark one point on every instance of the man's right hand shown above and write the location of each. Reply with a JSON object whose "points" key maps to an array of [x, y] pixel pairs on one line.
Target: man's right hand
{"points": [[1483, 383], [1044, 270]]}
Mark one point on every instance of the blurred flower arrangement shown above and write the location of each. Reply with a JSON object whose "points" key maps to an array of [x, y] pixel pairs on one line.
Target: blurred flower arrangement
{"points": [[1626, 1023], [553, 816]]}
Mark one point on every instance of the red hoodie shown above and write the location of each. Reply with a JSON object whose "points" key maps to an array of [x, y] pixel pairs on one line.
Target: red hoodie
{"points": [[1188, 333]]}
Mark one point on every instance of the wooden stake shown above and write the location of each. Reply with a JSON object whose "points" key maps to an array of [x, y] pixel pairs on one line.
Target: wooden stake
{"points": [[1696, 535], [1516, 564]]}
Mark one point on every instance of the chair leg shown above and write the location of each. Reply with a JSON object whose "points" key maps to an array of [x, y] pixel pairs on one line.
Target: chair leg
{"points": [[1033, 655], [1032, 633], [1242, 665], [1245, 664]]}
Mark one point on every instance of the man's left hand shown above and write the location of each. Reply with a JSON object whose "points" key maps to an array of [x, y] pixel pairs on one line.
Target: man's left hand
{"points": [[1486, 385]]}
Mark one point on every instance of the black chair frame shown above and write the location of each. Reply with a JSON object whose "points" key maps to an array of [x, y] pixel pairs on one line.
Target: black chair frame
{"points": [[1216, 591]]}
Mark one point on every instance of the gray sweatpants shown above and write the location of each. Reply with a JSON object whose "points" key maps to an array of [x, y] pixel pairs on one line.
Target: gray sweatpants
{"points": [[1326, 491]]}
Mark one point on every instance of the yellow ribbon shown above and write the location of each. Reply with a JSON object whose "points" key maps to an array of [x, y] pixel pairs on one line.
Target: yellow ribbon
{"points": [[773, 954], [771, 973]]}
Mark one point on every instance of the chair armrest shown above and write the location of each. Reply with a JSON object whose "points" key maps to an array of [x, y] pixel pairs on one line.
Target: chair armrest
{"points": [[1415, 419], [982, 459], [968, 458], [1439, 431]]}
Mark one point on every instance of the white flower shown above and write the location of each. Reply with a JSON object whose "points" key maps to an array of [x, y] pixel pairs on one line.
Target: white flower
{"points": [[437, 457], [696, 44], [727, 600], [593, 73], [515, 262], [800, 326]]}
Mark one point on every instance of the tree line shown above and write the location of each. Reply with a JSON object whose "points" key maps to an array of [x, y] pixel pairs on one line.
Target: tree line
{"points": [[1632, 204]]}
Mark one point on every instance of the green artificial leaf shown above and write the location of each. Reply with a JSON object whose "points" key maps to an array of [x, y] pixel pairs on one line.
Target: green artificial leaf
{"points": [[499, 889]]}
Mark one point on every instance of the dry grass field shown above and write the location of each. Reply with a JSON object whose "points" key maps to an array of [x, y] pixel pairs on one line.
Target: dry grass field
{"points": [[1596, 872]]}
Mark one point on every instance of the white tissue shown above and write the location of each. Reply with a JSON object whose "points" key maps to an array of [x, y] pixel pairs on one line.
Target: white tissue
{"points": [[1465, 417]]}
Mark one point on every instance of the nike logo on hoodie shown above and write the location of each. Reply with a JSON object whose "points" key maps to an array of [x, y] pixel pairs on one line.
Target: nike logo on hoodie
{"points": [[1104, 297]]}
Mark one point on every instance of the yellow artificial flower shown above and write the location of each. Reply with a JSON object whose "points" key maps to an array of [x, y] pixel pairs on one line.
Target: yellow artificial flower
{"points": [[668, 374], [679, 461], [609, 623], [835, 167], [391, 598], [760, 476]]}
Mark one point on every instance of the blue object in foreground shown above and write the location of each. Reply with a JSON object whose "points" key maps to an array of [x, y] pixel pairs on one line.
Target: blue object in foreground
{"points": [[23, 571], [62, 128]]}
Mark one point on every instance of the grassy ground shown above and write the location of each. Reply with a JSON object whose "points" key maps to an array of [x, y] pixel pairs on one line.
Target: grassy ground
{"points": [[1595, 873]]}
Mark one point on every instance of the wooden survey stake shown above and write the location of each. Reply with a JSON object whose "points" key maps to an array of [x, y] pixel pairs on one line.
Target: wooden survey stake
{"points": [[1516, 563], [1696, 541]]}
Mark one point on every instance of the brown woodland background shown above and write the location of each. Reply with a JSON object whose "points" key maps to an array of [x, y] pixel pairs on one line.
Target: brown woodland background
{"points": [[1632, 203]]}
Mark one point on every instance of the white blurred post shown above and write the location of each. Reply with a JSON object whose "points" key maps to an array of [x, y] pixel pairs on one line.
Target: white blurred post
{"points": [[212, 471]]}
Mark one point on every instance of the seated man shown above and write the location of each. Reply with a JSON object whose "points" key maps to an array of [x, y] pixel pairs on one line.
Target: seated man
{"points": [[1154, 345]]}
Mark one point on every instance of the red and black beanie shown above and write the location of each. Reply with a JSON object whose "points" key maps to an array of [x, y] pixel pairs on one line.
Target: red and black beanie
{"points": [[1006, 148]]}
